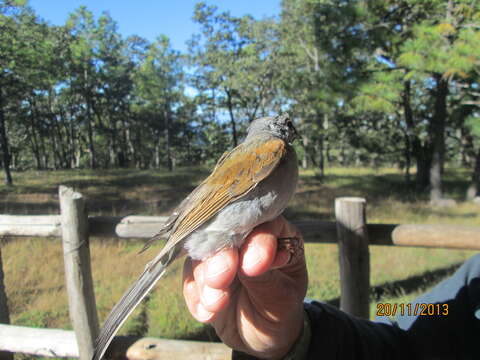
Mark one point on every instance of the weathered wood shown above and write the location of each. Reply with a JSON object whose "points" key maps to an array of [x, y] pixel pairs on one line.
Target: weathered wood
{"points": [[63, 343], [437, 236], [26, 225], [159, 349], [4, 311], [78, 275], [36, 341], [142, 227], [350, 214]]}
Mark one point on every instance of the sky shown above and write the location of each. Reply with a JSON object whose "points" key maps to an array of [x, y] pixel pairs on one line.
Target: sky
{"points": [[149, 18]]}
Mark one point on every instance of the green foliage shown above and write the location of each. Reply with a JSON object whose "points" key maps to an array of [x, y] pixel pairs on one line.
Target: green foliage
{"points": [[381, 94], [360, 77], [473, 123], [237, 66]]}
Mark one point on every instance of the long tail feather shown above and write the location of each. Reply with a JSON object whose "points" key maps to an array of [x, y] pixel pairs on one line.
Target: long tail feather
{"points": [[129, 301]]}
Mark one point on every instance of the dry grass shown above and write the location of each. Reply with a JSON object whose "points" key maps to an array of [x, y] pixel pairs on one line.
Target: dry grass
{"points": [[34, 267]]}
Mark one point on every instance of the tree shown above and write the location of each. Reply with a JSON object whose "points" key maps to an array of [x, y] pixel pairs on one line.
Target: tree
{"points": [[236, 64], [115, 86], [159, 86], [25, 67], [309, 80], [83, 71], [473, 123], [397, 54]]}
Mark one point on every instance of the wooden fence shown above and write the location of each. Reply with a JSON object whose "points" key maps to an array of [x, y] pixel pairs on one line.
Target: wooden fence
{"points": [[350, 231]]}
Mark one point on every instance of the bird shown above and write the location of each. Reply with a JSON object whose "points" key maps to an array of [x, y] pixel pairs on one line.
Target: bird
{"points": [[250, 184]]}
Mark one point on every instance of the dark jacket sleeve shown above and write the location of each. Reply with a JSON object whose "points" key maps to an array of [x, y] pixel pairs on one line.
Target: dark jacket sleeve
{"points": [[337, 335], [452, 334]]}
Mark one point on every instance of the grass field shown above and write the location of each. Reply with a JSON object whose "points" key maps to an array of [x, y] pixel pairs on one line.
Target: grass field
{"points": [[34, 267]]}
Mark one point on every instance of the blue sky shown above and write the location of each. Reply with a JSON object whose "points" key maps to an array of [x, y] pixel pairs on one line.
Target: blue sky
{"points": [[149, 18]]}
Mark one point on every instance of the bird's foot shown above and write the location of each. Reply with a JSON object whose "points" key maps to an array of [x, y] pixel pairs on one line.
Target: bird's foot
{"points": [[293, 245]]}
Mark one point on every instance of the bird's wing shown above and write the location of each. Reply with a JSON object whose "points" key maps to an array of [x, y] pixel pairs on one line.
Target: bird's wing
{"points": [[180, 209], [235, 175]]}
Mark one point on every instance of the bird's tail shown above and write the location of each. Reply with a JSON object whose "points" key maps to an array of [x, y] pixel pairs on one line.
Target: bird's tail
{"points": [[129, 301]]}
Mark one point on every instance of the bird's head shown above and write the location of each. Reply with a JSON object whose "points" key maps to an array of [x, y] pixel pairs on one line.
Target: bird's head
{"points": [[280, 126]]}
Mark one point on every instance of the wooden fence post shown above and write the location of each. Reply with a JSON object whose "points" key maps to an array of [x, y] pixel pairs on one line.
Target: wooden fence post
{"points": [[354, 259], [78, 275], [4, 311]]}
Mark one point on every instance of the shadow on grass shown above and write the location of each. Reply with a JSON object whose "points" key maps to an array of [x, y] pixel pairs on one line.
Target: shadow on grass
{"points": [[378, 187], [406, 286], [29, 208], [112, 192], [381, 186]]}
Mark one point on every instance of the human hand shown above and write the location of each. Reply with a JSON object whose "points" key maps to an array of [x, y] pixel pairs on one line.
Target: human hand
{"points": [[253, 296]]}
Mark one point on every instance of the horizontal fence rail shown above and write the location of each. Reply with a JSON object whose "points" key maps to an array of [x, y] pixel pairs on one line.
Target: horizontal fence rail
{"points": [[63, 343], [144, 227], [350, 231]]}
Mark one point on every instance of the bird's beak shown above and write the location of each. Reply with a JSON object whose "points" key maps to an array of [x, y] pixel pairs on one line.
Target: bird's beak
{"points": [[296, 133]]}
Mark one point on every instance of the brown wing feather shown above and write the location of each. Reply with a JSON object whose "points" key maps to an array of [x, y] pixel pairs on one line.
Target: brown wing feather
{"points": [[236, 173]]}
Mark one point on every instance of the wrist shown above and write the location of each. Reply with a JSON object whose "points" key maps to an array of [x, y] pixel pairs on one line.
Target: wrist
{"points": [[299, 349]]}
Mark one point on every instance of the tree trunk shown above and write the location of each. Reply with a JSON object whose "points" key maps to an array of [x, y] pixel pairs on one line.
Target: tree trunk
{"points": [[437, 131], [322, 157], [32, 136], [89, 116], [321, 142], [56, 133], [328, 156], [123, 155], [342, 154], [232, 118], [111, 152], [157, 152], [4, 145], [408, 159], [56, 155], [305, 152], [474, 188], [420, 153], [131, 147], [62, 144], [43, 152], [113, 147], [91, 147], [166, 116], [73, 143]]}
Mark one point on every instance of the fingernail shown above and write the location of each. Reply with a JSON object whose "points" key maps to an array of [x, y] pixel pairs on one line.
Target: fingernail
{"points": [[216, 265], [203, 314], [210, 295], [252, 257]]}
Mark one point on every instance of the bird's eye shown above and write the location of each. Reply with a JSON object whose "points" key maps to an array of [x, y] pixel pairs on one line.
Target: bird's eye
{"points": [[289, 124]]}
